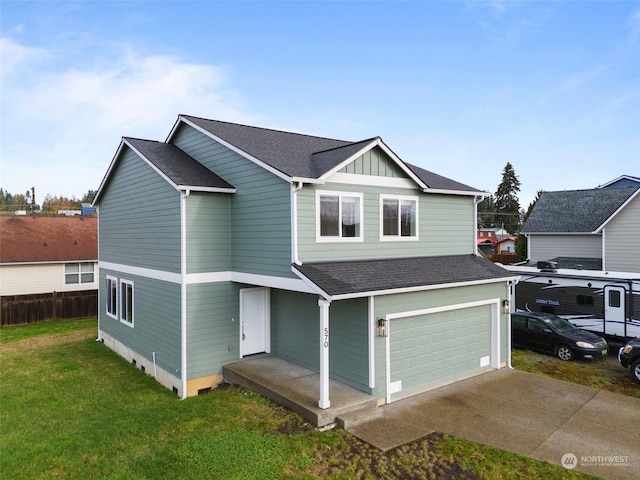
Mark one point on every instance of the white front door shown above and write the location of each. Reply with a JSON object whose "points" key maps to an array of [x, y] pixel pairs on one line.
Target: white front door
{"points": [[254, 321], [614, 310]]}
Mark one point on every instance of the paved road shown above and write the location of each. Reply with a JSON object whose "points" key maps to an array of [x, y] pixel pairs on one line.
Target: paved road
{"points": [[596, 432]]}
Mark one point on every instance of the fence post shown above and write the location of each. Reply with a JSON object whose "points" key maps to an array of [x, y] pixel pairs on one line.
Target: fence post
{"points": [[55, 305]]}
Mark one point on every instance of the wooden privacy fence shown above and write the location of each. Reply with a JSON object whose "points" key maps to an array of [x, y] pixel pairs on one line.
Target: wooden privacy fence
{"points": [[504, 258], [23, 309]]}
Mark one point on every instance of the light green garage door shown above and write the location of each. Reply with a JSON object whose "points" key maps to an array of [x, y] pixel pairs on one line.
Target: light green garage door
{"points": [[427, 350]]}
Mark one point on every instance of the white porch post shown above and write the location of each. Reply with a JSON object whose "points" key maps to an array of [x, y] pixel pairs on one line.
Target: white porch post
{"points": [[324, 353]]}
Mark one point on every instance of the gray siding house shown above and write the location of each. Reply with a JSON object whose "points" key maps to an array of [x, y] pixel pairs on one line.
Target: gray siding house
{"points": [[228, 242], [598, 229]]}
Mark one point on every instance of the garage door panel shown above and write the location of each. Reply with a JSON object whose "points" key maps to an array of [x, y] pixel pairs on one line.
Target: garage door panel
{"points": [[440, 347]]}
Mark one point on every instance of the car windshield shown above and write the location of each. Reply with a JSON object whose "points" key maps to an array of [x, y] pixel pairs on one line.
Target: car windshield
{"points": [[560, 324]]}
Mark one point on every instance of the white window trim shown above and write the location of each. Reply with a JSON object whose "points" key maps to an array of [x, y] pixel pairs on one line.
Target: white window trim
{"points": [[339, 239], [133, 303], [79, 273], [109, 314], [399, 238]]}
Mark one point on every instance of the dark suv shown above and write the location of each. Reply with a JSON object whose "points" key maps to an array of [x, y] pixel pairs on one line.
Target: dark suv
{"points": [[629, 355], [549, 333]]}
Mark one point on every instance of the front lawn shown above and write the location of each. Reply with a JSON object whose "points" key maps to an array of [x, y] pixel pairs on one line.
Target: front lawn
{"points": [[72, 409]]}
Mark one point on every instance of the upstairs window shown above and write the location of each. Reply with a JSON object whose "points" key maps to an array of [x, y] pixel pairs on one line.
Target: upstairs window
{"points": [[339, 216], [399, 218], [111, 296], [126, 302], [77, 273]]}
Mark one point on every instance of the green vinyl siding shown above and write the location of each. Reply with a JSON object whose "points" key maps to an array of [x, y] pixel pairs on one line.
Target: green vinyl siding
{"points": [[208, 235], [374, 162], [404, 302], [295, 329], [156, 320], [139, 219], [260, 215], [445, 226], [213, 327]]}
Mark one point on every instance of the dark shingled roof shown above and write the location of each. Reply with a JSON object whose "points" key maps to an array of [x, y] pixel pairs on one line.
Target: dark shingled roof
{"points": [[48, 239], [361, 276], [304, 156], [575, 211], [182, 169]]}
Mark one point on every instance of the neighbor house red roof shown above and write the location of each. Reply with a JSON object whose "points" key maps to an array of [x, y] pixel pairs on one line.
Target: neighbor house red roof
{"points": [[48, 239]]}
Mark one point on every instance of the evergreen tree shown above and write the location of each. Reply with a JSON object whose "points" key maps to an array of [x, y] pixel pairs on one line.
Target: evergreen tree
{"points": [[486, 212], [506, 200], [521, 241]]}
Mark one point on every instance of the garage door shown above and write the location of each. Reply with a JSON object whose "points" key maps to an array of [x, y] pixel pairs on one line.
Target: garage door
{"points": [[426, 350]]}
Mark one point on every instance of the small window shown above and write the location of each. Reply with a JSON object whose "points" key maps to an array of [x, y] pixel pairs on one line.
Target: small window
{"points": [[399, 218], [77, 273], [585, 300], [614, 298], [126, 302], [339, 216], [536, 325], [111, 296]]}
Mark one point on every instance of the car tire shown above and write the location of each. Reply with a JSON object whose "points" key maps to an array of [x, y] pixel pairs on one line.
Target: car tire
{"points": [[634, 371], [564, 353]]}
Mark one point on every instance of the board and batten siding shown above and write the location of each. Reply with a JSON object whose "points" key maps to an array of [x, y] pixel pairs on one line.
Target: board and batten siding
{"points": [[374, 162], [213, 327], [406, 302], [260, 215], [547, 247], [156, 326], [139, 219], [208, 232], [622, 239], [445, 226]]}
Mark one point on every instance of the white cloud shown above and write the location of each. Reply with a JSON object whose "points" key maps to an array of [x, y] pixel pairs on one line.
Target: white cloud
{"points": [[60, 128]]}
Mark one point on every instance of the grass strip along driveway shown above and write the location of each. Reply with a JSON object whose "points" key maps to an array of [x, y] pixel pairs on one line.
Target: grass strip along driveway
{"points": [[72, 409]]}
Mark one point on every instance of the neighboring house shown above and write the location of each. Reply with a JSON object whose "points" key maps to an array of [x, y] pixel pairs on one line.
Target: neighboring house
{"points": [[593, 229], [229, 241], [622, 181], [43, 255], [506, 245]]}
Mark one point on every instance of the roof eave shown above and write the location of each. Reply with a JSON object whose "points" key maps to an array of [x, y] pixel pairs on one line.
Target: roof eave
{"points": [[469, 193], [195, 188], [624, 204]]}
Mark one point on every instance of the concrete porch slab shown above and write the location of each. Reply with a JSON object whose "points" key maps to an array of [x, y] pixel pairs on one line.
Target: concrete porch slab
{"points": [[297, 388]]}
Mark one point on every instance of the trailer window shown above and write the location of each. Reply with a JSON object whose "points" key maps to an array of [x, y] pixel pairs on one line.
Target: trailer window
{"points": [[614, 298], [585, 300]]}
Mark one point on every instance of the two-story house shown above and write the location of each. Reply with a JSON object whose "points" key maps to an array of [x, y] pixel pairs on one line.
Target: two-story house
{"points": [[228, 242]]}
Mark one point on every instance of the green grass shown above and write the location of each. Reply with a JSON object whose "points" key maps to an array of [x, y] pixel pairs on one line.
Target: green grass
{"points": [[72, 409]]}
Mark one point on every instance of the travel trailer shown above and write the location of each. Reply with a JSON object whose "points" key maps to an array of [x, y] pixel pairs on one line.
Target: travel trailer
{"points": [[603, 302]]}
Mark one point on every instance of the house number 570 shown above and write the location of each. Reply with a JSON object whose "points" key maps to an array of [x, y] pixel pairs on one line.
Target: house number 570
{"points": [[326, 337]]}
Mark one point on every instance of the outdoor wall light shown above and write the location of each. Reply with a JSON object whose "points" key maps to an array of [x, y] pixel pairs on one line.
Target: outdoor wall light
{"points": [[505, 306], [383, 331]]}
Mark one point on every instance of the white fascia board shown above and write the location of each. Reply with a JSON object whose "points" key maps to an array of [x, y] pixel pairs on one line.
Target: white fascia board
{"points": [[193, 188], [371, 180], [233, 148], [456, 192], [152, 273], [379, 143], [308, 180], [314, 288], [599, 229], [148, 162], [48, 262], [108, 174], [421, 288], [559, 233]]}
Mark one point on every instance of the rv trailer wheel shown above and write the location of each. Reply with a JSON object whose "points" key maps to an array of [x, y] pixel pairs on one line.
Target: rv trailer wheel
{"points": [[635, 371], [564, 353]]}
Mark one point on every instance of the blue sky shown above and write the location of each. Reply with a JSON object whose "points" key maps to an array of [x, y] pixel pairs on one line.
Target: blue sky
{"points": [[459, 88]]}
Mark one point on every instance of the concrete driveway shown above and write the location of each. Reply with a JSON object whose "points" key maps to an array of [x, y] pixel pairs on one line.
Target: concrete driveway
{"points": [[579, 427]]}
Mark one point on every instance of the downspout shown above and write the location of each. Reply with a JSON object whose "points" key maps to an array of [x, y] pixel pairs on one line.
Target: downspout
{"points": [[510, 296], [99, 282], [476, 200], [183, 290], [604, 248], [294, 222]]}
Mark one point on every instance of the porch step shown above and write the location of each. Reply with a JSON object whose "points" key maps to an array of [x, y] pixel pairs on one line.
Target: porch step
{"points": [[348, 420], [296, 388]]}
